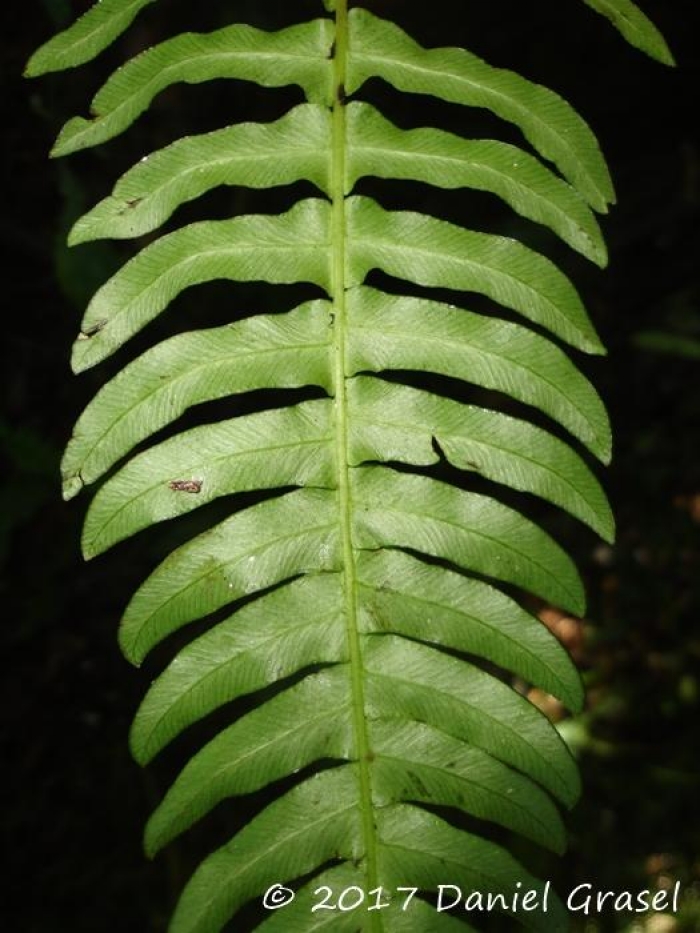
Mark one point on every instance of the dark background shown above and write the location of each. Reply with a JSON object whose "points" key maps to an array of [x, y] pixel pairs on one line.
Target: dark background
{"points": [[76, 804]]}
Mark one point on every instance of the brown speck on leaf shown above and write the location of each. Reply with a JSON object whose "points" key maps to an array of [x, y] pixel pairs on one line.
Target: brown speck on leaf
{"points": [[91, 331], [186, 485], [130, 204]]}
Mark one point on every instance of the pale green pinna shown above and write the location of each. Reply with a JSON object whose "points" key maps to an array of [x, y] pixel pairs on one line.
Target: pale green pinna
{"points": [[375, 588]]}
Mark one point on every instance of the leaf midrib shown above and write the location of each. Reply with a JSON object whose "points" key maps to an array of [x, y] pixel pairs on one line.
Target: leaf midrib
{"points": [[339, 285]]}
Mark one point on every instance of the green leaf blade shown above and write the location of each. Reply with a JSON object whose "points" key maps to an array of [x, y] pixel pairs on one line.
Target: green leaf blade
{"points": [[255, 155], [400, 423], [249, 552], [408, 597], [417, 763], [635, 26], [268, 743], [469, 530], [430, 850], [417, 682], [376, 148], [282, 842], [87, 37], [274, 448], [286, 350], [275, 636], [551, 126], [396, 332], [299, 53], [438, 254], [282, 250]]}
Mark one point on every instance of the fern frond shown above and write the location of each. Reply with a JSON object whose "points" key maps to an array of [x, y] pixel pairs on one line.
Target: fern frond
{"points": [[91, 34], [299, 53], [377, 148], [380, 49], [392, 332], [261, 352], [635, 26], [372, 605], [291, 248], [434, 253], [294, 148]]}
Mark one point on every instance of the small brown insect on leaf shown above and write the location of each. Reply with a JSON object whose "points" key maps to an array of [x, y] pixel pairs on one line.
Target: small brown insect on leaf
{"points": [[88, 332], [186, 485], [129, 205]]}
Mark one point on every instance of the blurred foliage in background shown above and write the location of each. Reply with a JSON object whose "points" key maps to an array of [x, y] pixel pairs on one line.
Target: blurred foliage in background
{"points": [[77, 803]]}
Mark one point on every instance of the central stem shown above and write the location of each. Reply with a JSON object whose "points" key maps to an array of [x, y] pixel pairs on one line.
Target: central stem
{"points": [[338, 231]]}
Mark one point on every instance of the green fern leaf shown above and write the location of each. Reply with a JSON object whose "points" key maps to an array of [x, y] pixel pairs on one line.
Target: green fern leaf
{"points": [[87, 37], [315, 822], [271, 638], [551, 126], [437, 254], [289, 350], [371, 605], [294, 148], [404, 595], [286, 249], [251, 551], [403, 424], [634, 26], [223, 459], [377, 148], [387, 332], [300, 56]]}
